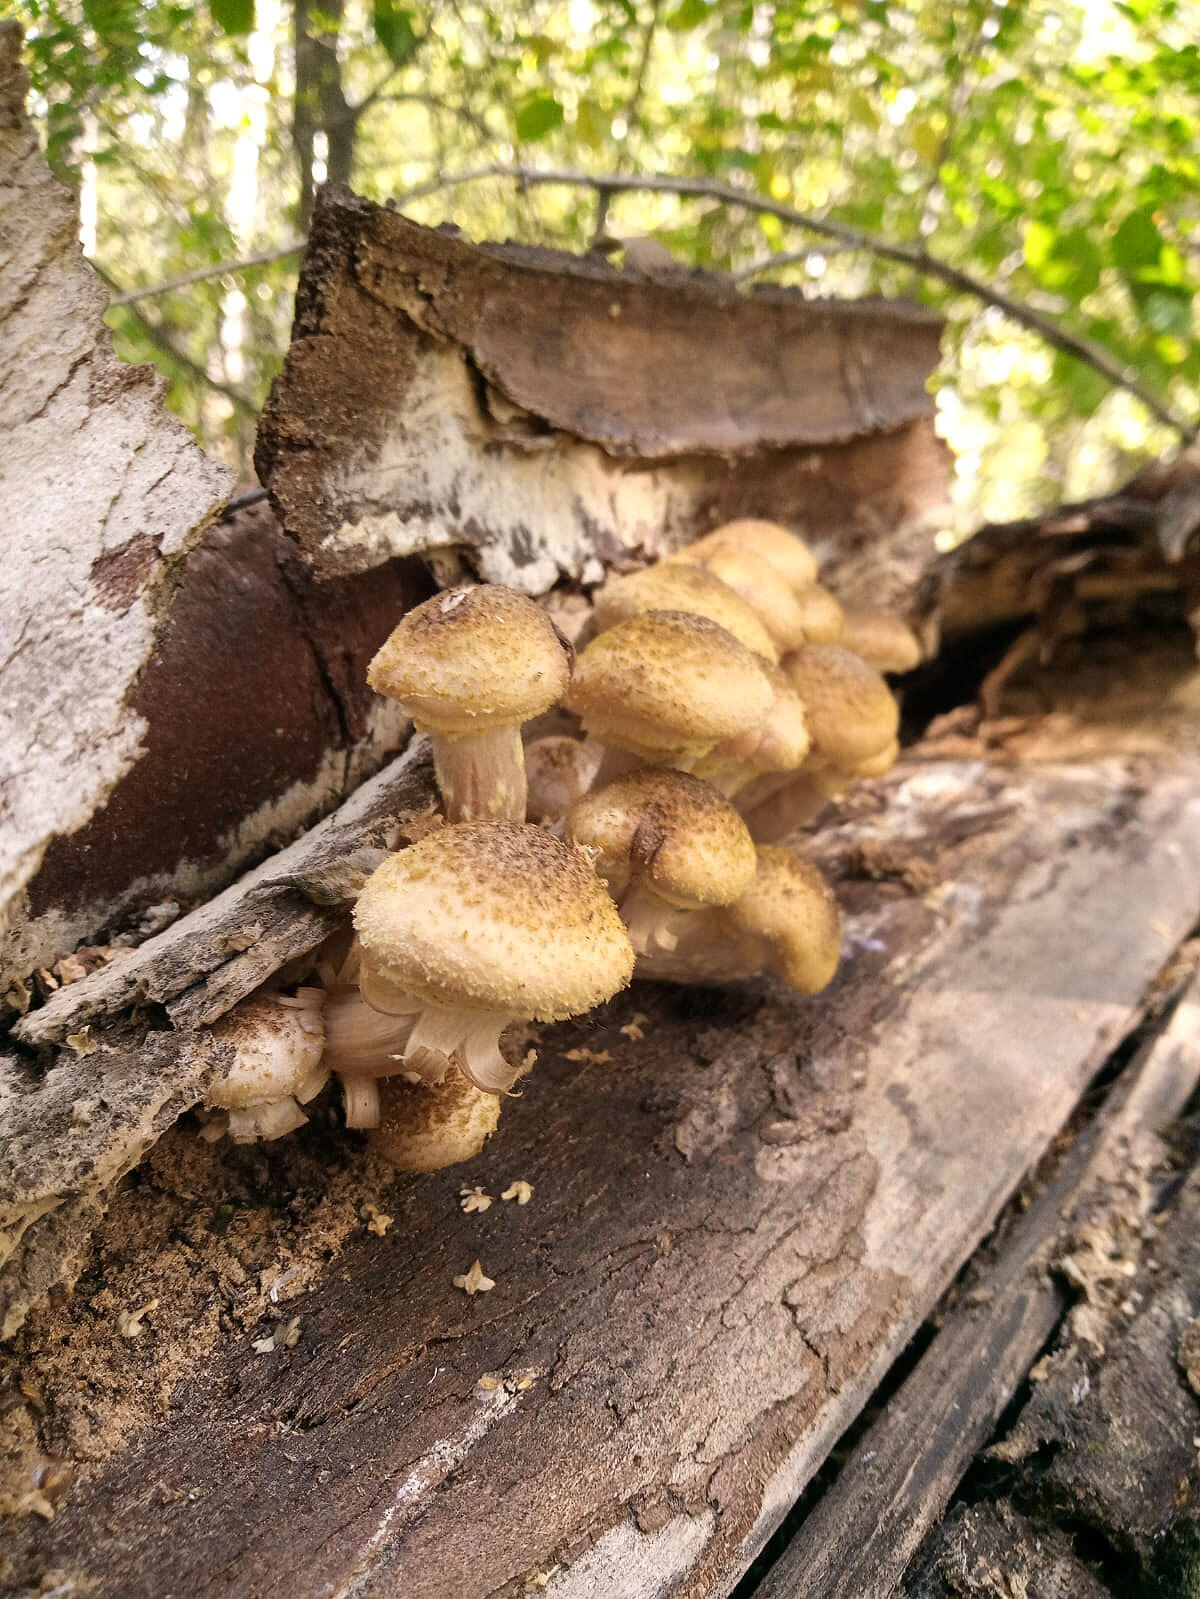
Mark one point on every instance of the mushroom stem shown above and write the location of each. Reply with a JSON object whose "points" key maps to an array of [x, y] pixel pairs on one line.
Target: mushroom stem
{"points": [[797, 805], [481, 775], [705, 950], [361, 1040], [362, 1099], [610, 762], [646, 917]]}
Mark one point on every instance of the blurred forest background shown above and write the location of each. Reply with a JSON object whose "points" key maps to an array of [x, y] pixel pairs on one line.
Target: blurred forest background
{"points": [[1049, 149]]}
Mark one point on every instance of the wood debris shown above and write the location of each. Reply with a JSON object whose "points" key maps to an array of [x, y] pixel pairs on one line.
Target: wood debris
{"points": [[519, 1190], [634, 1028], [590, 1057], [130, 1323], [474, 1281], [285, 1337], [377, 1221], [472, 1200]]}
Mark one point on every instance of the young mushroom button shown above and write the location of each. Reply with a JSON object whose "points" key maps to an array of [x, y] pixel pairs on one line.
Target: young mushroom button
{"points": [[786, 552], [483, 924], [427, 1126], [275, 1042], [676, 585], [470, 666]]}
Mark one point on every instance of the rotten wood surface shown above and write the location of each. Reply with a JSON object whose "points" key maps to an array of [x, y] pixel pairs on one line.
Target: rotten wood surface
{"points": [[738, 1220], [549, 416], [859, 1539]]}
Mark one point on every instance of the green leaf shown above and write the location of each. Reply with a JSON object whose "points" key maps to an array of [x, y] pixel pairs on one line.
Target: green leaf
{"points": [[233, 16], [538, 116], [688, 14], [394, 29], [1137, 242]]}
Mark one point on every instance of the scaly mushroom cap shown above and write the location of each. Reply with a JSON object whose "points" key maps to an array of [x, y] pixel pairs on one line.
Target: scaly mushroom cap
{"points": [[779, 744], [786, 551], [277, 1048], [559, 770], [821, 617], [886, 641], [675, 586], [667, 685], [471, 659], [791, 908], [495, 916], [851, 713], [675, 832], [424, 1127]]}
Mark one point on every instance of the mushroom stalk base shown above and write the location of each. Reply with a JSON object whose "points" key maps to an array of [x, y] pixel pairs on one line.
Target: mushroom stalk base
{"points": [[481, 775]]}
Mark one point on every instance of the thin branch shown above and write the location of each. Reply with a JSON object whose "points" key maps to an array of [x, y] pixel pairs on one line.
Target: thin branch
{"points": [[786, 258], [604, 198], [203, 274]]}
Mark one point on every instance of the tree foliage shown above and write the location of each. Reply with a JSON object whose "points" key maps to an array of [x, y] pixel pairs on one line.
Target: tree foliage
{"points": [[1048, 149]]}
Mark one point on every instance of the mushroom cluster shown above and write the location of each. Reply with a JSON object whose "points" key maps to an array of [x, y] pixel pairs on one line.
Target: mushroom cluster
{"points": [[723, 697]]}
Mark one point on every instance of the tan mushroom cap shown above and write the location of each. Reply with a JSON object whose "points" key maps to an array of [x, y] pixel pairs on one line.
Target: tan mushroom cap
{"points": [[497, 916], [880, 764], [679, 586], [425, 1127], [276, 1048], [473, 658], [786, 551], [671, 830], [559, 770], [779, 744], [791, 908], [822, 618], [759, 584], [886, 641], [852, 715], [667, 685]]}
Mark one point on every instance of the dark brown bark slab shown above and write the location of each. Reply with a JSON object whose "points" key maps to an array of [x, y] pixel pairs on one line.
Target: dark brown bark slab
{"points": [[540, 411], [737, 1221]]}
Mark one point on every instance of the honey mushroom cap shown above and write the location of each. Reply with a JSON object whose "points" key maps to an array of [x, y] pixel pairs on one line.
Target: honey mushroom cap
{"points": [[674, 831], [470, 659], [778, 746], [822, 617], [886, 641], [791, 909], [786, 551], [852, 714], [758, 584], [558, 770], [277, 1049], [427, 1126], [678, 585], [668, 685], [494, 916]]}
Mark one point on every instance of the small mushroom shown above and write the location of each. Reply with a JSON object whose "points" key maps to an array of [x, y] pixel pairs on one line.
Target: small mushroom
{"points": [[476, 926], [471, 666], [778, 746], [664, 842], [886, 641], [666, 686], [759, 585], [427, 1126], [787, 923], [277, 1043], [559, 770], [786, 551], [677, 585]]}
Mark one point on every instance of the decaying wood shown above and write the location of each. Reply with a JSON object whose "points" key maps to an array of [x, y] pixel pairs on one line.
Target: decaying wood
{"points": [[202, 964], [860, 1537], [550, 415], [104, 493], [738, 1218]]}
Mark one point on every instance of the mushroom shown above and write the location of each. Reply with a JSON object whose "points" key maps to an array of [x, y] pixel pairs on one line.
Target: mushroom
{"points": [[677, 585], [475, 926], [664, 842], [886, 641], [787, 923], [786, 551], [558, 770], [777, 746], [758, 584], [426, 1126], [666, 686], [277, 1042], [470, 666]]}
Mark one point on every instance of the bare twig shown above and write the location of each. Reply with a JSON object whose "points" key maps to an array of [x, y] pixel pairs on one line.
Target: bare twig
{"points": [[786, 258], [604, 198], [202, 274]]}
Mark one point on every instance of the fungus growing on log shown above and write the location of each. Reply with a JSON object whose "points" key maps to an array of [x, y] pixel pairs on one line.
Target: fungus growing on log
{"points": [[666, 686], [787, 923], [471, 666], [277, 1043], [427, 1126], [786, 551], [664, 842], [758, 583], [559, 770], [476, 926], [885, 641], [679, 585], [776, 748]]}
